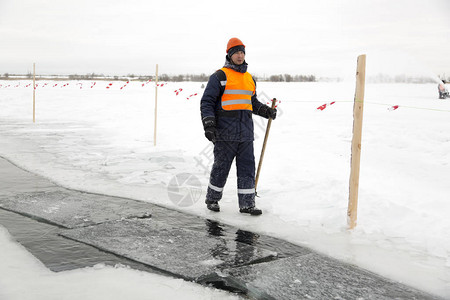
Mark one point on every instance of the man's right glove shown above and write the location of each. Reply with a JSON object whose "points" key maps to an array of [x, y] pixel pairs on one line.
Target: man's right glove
{"points": [[209, 125]]}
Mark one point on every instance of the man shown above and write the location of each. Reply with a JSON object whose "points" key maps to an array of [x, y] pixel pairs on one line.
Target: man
{"points": [[226, 109], [443, 93]]}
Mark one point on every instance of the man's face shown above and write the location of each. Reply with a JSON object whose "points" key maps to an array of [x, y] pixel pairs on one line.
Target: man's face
{"points": [[238, 58]]}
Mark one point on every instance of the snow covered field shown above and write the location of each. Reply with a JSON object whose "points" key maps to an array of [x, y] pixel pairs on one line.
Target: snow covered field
{"points": [[100, 140]]}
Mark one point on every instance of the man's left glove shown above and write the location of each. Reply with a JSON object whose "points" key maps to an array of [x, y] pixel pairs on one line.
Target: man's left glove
{"points": [[267, 112], [209, 125]]}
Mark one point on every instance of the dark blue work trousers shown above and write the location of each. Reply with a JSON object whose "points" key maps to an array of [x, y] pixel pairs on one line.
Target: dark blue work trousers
{"points": [[224, 154]]}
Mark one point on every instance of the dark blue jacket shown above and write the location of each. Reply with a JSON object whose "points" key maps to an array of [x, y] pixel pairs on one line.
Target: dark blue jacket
{"points": [[236, 125]]}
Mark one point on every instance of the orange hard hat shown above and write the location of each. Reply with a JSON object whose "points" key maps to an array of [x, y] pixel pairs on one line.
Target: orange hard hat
{"points": [[233, 42]]}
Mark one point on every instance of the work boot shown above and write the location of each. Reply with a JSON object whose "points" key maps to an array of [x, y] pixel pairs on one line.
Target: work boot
{"points": [[214, 206], [251, 210]]}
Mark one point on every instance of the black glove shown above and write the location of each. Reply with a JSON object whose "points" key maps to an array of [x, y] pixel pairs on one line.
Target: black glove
{"points": [[267, 112], [209, 125], [272, 113]]}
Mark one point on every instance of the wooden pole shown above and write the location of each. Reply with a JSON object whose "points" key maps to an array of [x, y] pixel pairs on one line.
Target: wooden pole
{"points": [[274, 101], [156, 104], [34, 92], [356, 141]]}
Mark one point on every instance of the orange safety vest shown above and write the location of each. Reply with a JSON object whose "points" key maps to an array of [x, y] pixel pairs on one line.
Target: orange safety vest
{"points": [[239, 89]]}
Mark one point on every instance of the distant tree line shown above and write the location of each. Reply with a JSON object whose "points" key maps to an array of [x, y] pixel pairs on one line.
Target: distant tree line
{"points": [[401, 78], [187, 77], [288, 78], [163, 77], [273, 78], [379, 78]]}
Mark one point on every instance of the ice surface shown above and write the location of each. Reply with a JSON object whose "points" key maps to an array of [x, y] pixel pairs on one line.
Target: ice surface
{"points": [[314, 276], [186, 253], [23, 277], [12, 178], [54, 251], [74, 209]]}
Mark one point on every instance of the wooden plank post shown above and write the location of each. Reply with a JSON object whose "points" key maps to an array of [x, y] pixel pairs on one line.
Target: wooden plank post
{"points": [[356, 141], [34, 92], [156, 104]]}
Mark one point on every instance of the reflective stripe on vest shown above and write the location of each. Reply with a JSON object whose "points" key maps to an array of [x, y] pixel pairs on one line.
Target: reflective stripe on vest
{"points": [[239, 89]]}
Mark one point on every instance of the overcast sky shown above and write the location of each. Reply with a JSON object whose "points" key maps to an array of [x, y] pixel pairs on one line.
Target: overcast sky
{"points": [[321, 37]]}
